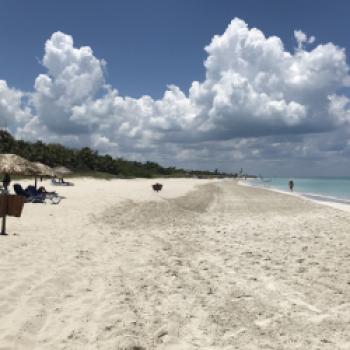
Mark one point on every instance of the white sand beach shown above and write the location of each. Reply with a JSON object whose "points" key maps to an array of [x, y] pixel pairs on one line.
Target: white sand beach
{"points": [[204, 264]]}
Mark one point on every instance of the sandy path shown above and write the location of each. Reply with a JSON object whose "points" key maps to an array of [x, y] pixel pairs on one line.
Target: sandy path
{"points": [[221, 267]]}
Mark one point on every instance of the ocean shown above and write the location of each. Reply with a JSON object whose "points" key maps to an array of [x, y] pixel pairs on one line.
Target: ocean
{"points": [[330, 189]]}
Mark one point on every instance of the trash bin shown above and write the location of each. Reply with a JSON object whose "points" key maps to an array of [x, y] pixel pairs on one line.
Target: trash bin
{"points": [[3, 205], [15, 205], [157, 187]]}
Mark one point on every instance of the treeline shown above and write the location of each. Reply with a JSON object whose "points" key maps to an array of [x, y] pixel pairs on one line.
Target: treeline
{"points": [[86, 159]]}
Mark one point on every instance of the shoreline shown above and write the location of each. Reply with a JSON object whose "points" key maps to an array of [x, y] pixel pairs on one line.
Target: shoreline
{"points": [[336, 205]]}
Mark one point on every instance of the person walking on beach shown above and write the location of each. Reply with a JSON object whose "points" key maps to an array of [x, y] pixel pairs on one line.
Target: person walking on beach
{"points": [[291, 185], [6, 181]]}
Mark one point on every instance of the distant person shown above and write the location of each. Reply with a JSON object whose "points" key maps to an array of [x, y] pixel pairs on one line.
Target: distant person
{"points": [[6, 181], [291, 185]]}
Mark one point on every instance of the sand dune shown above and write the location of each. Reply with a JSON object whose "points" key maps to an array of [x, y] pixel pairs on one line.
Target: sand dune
{"points": [[201, 265]]}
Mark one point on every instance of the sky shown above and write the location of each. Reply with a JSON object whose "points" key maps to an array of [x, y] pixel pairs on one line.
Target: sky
{"points": [[262, 85]]}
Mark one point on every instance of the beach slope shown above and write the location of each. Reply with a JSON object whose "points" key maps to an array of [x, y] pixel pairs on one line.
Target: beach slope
{"points": [[202, 265]]}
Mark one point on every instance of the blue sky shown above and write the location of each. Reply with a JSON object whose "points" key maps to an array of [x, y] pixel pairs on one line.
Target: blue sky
{"points": [[148, 45]]}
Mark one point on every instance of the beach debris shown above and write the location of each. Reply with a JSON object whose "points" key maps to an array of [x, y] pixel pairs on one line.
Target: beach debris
{"points": [[210, 291], [161, 332], [130, 345], [128, 342], [157, 187]]}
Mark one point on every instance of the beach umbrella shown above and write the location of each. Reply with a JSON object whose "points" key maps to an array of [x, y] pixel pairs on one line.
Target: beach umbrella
{"points": [[43, 170], [12, 164], [62, 171], [15, 165]]}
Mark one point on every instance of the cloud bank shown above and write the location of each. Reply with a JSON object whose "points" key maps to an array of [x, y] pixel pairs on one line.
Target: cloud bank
{"points": [[258, 102]]}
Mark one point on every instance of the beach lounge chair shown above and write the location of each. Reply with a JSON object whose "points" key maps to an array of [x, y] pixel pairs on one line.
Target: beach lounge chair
{"points": [[61, 182], [32, 195], [29, 198], [52, 196]]}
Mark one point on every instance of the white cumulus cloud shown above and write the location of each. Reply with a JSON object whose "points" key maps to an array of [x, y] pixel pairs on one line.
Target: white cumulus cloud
{"points": [[254, 91], [74, 77], [302, 38]]}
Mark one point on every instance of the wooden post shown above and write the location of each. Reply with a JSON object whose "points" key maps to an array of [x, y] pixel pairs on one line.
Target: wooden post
{"points": [[3, 224], [3, 227]]}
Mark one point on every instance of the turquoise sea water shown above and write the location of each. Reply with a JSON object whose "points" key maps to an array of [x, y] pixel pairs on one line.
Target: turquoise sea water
{"points": [[325, 189]]}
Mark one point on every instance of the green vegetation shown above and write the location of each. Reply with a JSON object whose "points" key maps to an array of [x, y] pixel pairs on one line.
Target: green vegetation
{"points": [[87, 162]]}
